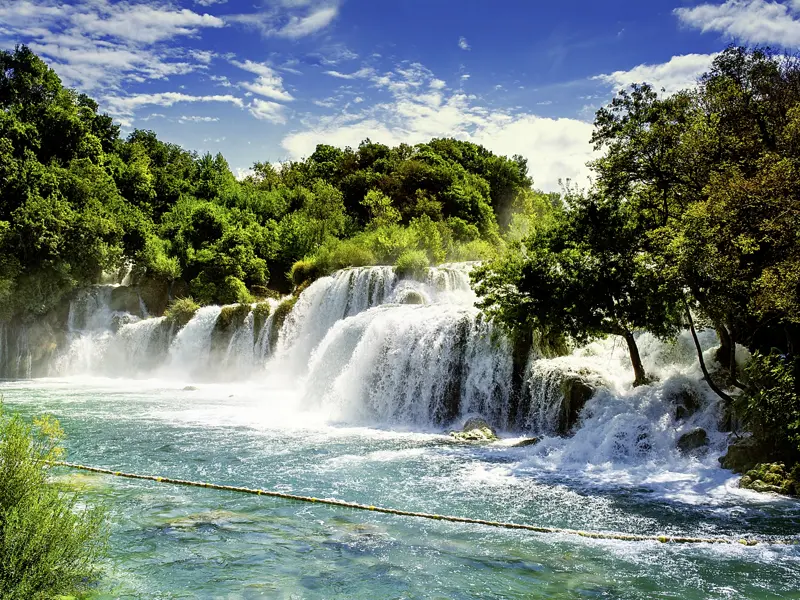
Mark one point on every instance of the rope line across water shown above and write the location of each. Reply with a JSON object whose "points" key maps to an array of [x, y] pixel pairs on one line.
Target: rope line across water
{"points": [[598, 535]]}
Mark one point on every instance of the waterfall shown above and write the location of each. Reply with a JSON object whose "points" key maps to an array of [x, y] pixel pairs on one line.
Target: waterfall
{"points": [[414, 365], [326, 301], [190, 351]]}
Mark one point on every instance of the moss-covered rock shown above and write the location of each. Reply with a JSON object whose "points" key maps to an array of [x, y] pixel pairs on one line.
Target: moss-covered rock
{"points": [[261, 312], [281, 312], [181, 311], [744, 455], [686, 403], [772, 477], [229, 320], [412, 297], [155, 294], [693, 442], [475, 429]]}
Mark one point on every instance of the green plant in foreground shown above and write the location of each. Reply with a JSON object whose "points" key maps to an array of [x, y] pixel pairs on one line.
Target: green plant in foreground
{"points": [[50, 544]]}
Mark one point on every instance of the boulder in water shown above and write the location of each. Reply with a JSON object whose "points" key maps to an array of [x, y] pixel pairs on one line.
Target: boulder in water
{"points": [[686, 403], [744, 455], [527, 442], [475, 429], [577, 392], [772, 477], [693, 441], [412, 297]]}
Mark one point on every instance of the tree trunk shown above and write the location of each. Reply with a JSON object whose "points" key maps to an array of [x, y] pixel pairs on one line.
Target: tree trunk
{"points": [[728, 400], [640, 377], [725, 344]]}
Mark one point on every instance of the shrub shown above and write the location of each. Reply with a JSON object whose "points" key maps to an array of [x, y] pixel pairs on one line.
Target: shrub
{"points": [[233, 291], [49, 546], [412, 264], [304, 270], [181, 311], [772, 403]]}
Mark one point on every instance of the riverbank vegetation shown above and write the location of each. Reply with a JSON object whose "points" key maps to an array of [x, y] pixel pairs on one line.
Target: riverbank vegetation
{"points": [[50, 544], [693, 215], [695, 210]]}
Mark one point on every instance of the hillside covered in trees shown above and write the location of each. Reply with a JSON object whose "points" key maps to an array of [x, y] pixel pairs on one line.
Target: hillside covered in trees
{"points": [[78, 200]]}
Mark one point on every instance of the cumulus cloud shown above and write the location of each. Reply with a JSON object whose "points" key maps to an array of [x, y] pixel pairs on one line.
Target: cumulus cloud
{"points": [[680, 72], [267, 111], [268, 84], [463, 44], [96, 44], [419, 111], [751, 21]]}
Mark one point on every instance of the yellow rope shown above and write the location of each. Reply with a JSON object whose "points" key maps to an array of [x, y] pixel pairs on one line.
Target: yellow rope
{"points": [[629, 537]]}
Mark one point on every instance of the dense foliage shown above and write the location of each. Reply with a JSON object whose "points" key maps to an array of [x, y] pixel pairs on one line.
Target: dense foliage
{"points": [[77, 200], [695, 207], [49, 545]]}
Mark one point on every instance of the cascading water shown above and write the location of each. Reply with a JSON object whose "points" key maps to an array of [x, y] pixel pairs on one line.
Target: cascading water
{"points": [[412, 365], [190, 351]]}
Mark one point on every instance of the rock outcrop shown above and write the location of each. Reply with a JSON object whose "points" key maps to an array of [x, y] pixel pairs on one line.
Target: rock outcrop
{"points": [[772, 477], [693, 442], [475, 429]]}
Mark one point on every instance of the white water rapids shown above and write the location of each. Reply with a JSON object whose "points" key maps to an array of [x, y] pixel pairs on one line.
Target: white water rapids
{"points": [[363, 347]]}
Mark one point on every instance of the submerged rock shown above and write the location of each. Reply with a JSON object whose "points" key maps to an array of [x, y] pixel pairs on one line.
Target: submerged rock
{"points": [[686, 403], [744, 455], [526, 442], [475, 429], [772, 477], [693, 441]]}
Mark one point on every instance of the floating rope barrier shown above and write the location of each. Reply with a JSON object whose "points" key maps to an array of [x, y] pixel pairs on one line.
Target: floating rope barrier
{"points": [[597, 535]]}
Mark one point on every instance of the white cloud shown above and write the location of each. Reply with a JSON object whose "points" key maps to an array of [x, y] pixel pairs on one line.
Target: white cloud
{"points": [[555, 148], [463, 44], [209, 2], [126, 105], [360, 74], [751, 21], [96, 44], [291, 18], [302, 26], [680, 72], [267, 111], [195, 119], [268, 83]]}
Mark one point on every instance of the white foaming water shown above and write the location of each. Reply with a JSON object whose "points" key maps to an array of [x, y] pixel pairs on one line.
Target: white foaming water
{"points": [[410, 365], [191, 349], [364, 347]]}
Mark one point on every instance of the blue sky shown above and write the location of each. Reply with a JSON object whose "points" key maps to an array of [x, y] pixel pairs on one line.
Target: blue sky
{"points": [[267, 80]]}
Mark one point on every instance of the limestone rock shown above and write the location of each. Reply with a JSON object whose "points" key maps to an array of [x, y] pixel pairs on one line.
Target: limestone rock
{"points": [[743, 455], [126, 299], [475, 429], [772, 477], [693, 441]]}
